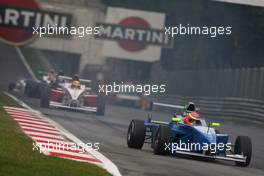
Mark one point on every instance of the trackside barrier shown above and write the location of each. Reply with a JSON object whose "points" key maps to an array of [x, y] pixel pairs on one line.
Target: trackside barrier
{"points": [[246, 83], [228, 107]]}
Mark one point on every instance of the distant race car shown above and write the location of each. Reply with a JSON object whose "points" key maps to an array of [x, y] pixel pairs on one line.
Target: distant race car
{"points": [[30, 87], [17, 86], [127, 99], [68, 95], [173, 137]]}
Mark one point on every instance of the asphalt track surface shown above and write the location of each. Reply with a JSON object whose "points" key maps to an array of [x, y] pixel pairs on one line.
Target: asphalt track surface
{"points": [[110, 130]]}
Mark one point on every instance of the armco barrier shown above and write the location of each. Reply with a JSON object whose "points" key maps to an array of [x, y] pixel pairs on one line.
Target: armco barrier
{"points": [[245, 83], [228, 107]]}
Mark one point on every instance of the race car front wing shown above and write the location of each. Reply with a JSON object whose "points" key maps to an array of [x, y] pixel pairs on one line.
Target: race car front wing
{"points": [[84, 108], [234, 157]]}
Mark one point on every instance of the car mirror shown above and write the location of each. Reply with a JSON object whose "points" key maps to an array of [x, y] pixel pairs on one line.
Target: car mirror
{"points": [[88, 89], [176, 119], [215, 124]]}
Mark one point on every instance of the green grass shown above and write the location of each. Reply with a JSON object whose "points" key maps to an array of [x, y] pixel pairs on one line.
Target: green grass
{"points": [[18, 159]]}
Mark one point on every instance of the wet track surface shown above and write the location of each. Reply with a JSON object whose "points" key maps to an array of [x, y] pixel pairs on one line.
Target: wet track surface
{"points": [[110, 130]]}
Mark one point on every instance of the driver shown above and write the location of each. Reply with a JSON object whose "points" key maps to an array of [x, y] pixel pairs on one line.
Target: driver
{"points": [[76, 81], [191, 117], [52, 76]]}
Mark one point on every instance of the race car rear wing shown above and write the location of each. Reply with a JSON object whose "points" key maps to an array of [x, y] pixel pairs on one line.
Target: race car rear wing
{"points": [[69, 78], [164, 105], [167, 105], [187, 108]]}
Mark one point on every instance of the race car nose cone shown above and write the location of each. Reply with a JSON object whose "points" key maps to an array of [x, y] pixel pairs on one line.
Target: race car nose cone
{"points": [[74, 103]]}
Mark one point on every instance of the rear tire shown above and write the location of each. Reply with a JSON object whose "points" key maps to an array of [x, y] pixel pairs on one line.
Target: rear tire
{"points": [[28, 88], [100, 105], [45, 97], [32, 89], [243, 146], [163, 137], [136, 134], [37, 90]]}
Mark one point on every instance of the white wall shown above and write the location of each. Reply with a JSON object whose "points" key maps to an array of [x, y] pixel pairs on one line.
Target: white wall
{"points": [[83, 14]]}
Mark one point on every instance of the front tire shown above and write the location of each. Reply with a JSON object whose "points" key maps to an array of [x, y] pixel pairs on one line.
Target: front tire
{"points": [[136, 134], [100, 105], [163, 138], [45, 97], [243, 146]]}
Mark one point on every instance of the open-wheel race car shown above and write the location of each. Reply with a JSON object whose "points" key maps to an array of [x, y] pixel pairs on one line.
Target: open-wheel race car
{"points": [[73, 95], [198, 139], [32, 87]]}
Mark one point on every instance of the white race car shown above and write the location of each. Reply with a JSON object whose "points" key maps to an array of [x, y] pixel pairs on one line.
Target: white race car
{"points": [[73, 95]]}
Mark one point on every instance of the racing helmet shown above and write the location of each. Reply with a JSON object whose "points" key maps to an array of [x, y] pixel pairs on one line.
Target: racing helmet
{"points": [[191, 117], [76, 84], [76, 78], [190, 107], [52, 75]]}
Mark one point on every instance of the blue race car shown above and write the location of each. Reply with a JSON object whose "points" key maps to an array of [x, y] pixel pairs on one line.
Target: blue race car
{"points": [[199, 139]]}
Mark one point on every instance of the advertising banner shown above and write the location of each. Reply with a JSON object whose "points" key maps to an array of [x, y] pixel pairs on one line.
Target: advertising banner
{"points": [[133, 34]]}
